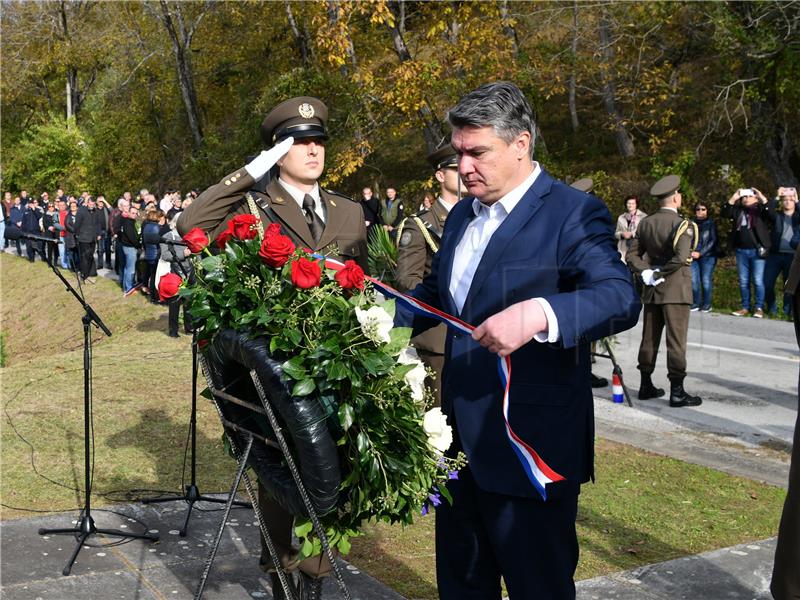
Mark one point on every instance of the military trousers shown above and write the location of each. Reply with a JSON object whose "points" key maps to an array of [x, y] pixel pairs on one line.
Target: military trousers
{"points": [[435, 362], [280, 525], [675, 319]]}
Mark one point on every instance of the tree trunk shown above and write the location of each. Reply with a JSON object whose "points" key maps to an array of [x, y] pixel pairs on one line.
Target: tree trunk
{"points": [[571, 86], [623, 138], [508, 29], [780, 154], [431, 127], [181, 42], [74, 95], [300, 38]]}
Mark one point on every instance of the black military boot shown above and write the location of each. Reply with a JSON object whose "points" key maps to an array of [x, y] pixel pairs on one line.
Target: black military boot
{"points": [[310, 588], [680, 397], [278, 592], [647, 390], [598, 382]]}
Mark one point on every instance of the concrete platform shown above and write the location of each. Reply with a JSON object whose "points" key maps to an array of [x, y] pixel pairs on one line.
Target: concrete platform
{"points": [[741, 572], [107, 569]]}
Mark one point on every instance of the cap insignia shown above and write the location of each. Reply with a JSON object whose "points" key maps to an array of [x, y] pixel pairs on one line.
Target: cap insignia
{"points": [[306, 110]]}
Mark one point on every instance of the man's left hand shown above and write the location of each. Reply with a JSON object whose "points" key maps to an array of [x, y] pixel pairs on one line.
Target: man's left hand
{"points": [[511, 328]]}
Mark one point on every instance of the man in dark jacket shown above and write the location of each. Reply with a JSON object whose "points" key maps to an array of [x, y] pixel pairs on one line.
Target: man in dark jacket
{"points": [[128, 239], [371, 208], [88, 226], [785, 225], [15, 222], [747, 209], [30, 224]]}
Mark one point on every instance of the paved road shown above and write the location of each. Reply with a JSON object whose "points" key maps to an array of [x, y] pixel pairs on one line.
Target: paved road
{"points": [[746, 371]]}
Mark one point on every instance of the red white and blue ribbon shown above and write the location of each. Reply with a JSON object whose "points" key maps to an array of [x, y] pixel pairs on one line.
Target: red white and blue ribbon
{"points": [[537, 471]]}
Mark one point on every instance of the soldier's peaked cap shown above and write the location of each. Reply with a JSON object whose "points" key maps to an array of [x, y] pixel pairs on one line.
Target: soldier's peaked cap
{"points": [[443, 157], [584, 185], [300, 117], [665, 186]]}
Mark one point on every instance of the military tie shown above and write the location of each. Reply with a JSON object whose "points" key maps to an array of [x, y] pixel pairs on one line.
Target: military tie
{"points": [[315, 224]]}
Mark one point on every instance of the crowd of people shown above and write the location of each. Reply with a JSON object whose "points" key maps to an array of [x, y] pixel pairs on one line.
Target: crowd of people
{"points": [[764, 235], [90, 234]]}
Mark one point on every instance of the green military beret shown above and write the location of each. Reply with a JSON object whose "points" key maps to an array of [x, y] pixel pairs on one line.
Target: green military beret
{"points": [[666, 186], [584, 185], [300, 117], [443, 157]]}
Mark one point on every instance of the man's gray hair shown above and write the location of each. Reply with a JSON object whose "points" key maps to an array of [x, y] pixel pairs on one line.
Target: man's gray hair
{"points": [[501, 105]]}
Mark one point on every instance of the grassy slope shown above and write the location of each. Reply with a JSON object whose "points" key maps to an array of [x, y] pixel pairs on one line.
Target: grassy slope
{"points": [[643, 508]]}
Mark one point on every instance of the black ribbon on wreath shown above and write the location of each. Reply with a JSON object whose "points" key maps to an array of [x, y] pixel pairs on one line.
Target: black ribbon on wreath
{"points": [[229, 358]]}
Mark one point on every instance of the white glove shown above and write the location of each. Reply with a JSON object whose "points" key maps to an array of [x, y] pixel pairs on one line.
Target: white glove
{"points": [[648, 277], [262, 163]]}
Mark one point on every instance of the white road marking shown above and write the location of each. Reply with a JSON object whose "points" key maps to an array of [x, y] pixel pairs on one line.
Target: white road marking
{"points": [[791, 359]]}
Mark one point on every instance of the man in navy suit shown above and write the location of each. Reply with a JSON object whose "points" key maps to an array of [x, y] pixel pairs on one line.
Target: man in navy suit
{"points": [[534, 264]]}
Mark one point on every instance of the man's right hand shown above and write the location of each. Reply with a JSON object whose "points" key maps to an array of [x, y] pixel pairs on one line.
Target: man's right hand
{"points": [[262, 163]]}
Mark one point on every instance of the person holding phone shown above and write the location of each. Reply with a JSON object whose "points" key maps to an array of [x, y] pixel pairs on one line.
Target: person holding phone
{"points": [[747, 209]]}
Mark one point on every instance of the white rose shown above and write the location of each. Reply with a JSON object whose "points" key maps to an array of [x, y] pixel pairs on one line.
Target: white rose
{"points": [[440, 434], [415, 378], [376, 324]]}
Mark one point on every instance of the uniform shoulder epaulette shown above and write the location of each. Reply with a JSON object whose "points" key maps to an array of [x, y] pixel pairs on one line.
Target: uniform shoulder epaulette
{"points": [[419, 213], [425, 228], [338, 194], [686, 226]]}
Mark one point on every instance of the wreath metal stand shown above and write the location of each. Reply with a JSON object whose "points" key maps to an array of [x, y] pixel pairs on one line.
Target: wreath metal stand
{"points": [[241, 455], [617, 370]]}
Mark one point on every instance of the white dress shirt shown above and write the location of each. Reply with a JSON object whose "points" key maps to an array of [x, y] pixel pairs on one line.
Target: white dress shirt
{"points": [[472, 245], [298, 195]]}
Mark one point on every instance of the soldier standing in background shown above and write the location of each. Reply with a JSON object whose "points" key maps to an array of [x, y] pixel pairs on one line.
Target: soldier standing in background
{"points": [[661, 256], [419, 237], [312, 217]]}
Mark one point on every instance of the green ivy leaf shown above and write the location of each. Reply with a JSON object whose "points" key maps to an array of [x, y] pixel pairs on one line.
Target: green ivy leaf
{"points": [[346, 416], [400, 337], [304, 387], [212, 263], [344, 545], [294, 368], [303, 528]]}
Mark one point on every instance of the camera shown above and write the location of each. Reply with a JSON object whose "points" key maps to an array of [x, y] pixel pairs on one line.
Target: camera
{"points": [[746, 192]]}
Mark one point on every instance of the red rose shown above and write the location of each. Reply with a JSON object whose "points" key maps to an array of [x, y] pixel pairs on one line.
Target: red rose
{"points": [[168, 286], [244, 226], [223, 237], [272, 229], [350, 276], [306, 273], [196, 239], [275, 249]]}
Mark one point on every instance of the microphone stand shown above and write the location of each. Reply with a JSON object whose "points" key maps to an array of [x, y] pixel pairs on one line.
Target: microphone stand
{"points": [[192, 493], [86, 526]]}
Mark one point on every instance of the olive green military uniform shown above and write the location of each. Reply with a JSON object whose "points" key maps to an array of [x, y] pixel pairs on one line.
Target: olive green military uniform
{"points": [[419, 239], [666, 304], [344, 237]]}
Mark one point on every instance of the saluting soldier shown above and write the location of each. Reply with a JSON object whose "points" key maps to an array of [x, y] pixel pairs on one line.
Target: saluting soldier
{"points": [[312, 217], [661, 256], [418, 240]]}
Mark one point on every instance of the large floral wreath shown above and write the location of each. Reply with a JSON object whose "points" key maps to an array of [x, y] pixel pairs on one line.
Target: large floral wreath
{"points": [[335, 337]]}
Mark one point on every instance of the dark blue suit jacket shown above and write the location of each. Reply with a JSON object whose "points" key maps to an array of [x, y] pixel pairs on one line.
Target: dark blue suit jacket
{"points": [[557, 244]]}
